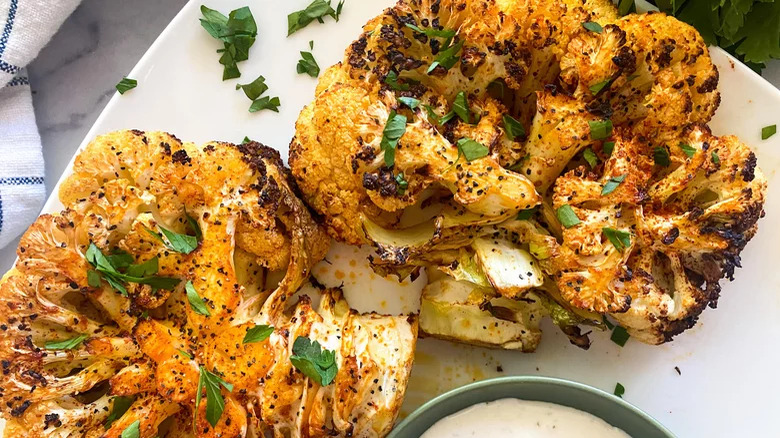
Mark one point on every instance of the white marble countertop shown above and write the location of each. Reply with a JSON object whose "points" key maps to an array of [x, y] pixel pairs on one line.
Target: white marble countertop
{"points": [[74, 76]]}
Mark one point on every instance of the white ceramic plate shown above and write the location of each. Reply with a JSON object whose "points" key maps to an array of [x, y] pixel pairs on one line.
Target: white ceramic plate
{"points": [[729, 362]]}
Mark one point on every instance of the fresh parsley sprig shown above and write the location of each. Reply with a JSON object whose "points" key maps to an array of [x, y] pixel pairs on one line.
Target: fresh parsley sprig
{"points": [[394, 129], [308, 65], [257, 333], [317, 10], [215, 404], [314, 361], [237, 32], [109, 268], [254, 90], [67, 344]]}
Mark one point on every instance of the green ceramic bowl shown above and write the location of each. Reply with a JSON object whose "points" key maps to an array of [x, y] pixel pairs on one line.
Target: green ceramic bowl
{"points": [[613, 410]]}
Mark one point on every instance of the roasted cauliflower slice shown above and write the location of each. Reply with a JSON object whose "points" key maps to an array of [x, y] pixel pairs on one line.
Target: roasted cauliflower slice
{"points": [[124, 306]]}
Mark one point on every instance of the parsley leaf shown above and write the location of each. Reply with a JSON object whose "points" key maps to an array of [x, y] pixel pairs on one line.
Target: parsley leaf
{"points": [[314, 361], [196, 302], [608, 147], [435, 117], [108, 267], [447, 58], [524, 215], [592, 26], [185, 354], [619, 390], [126, 84], [590, 157], [513, 128], [257, 333], [688, 149], [400, 180], [472, 149], [392, 80], [620, 336], [307, 64], [661, 156], [619, 239], [461, 107], [411, 102], [215, 404], [267, 102], [120, 405], [237, 32], [625, 7], [181, 243], [394, 129], [567, 216], [132, 431], [437, 33], [715, 157], [595, 88], [254, 89], [317, 10], [612, 184], [67, 344], [600, 129], [768, 131]]}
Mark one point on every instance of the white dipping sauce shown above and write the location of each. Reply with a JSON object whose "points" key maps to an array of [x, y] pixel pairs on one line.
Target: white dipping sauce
{"points": [[513, 418]]}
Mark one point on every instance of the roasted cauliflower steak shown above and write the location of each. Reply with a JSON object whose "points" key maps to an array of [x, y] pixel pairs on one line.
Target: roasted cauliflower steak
{"points": [[565, 168], [137, 307]]}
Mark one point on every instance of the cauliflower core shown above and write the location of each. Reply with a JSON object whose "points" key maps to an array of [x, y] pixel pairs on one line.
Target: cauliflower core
{"points": [[581, 159], [199, 232]]}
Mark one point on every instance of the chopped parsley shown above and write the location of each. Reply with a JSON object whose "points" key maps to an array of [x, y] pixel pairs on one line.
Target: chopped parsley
{"points": [[196, 302], [447, 58], [411, 102], [513, 128], [600, 129], [314, 361], [265, 103], [661, 156], [625, 7], [392, 80], [246, 140], [524, 215], [612, 184], [394, 129], [67, 344], [215, 404], [461, 107], [307, 64], [257, 333], [436, 33], [567, 216], [400, 180], [471, 149], [592, 26], [185, 354], [181, 243], [109, 268], [435, 117], [715, 157], [120, 405], [254, 89], [237, 32], [317, 10], [620, 336], [595, 88], [688, 149], [768, 131], [608, 147], [619, 390], [619, 239], [126, 84], [132, 431], [590, 157]]}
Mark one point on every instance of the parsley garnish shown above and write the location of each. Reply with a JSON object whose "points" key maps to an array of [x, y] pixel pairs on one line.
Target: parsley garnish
{"points": [[595, 88], [120, 406], [126, 84], [215, 404], [411, 102], [257, 333], [592, 26], [513, 128], [608, 147], [67, 344], [619, 239], [392, 80], [447, 58], [471, 149], [254, 89], [176, 242], [185, 354], [625, 7], [688, 149], [402, 184], [567, 216], [612, 184], [620, 336], [307, 64], [600, 129], [246, 140], [267, 102], [108, 268], [196, 302], [237, 31], [461, 107], [317, 10], [768, 131], [394, 129], [435, 117], [661, 156], [619, 390], [438, 33], [715, 157], [132, 431], [314, 361], [590, 157], [524, 215]]}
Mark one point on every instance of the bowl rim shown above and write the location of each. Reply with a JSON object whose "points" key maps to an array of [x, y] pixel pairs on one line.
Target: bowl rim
{"points": [[553, 381]]}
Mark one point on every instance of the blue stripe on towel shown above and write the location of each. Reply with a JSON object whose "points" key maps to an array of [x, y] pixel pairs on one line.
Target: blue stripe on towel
{"points": [[1, 212], [21, 181], [19, 80], [8, 68], [9, 25]]}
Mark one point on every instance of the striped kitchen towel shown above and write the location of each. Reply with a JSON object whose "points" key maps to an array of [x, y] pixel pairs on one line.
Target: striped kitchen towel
{"points": [[25, 26]]}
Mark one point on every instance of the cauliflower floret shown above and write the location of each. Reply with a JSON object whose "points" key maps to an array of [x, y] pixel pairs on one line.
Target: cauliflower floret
{"points": [[133, 291]]}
